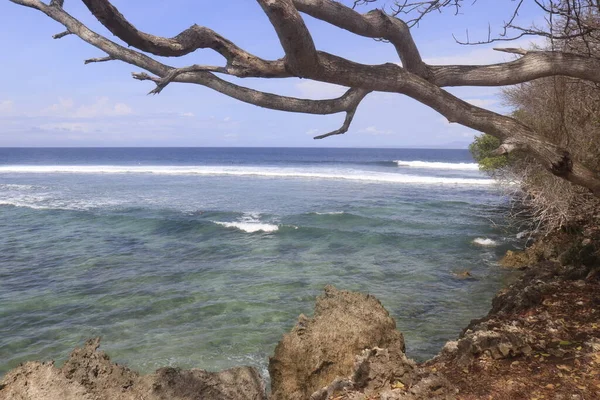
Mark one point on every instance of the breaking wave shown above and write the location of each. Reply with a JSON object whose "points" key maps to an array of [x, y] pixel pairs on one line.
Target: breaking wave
{"points": [[485, 242], [438, 165], [269, 172], [249, 223]]}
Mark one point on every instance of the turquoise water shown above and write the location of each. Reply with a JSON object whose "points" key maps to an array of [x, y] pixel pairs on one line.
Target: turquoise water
{"points": [[205, 257]]}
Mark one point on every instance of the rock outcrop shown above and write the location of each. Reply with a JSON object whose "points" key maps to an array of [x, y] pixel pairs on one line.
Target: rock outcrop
{"points": [[89, 374], [541, 340], [320, 349], [387, 375]]}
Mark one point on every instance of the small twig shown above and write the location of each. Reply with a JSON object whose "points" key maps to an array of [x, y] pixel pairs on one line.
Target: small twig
{"points": [[142, 76], [343, 129], [170, 76], [348, 120], [99, 59], [512, 50], [62, 34], [505, 148]]}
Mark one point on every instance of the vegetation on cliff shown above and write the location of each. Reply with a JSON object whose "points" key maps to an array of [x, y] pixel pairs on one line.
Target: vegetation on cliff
{"points": [[563, 110]]}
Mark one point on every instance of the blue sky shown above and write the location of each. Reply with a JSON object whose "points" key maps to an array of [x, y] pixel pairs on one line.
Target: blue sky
{"points": [[48, 97]]}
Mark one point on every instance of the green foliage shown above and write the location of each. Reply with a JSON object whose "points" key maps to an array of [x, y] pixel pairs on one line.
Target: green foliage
{"points": [[481, 150]]}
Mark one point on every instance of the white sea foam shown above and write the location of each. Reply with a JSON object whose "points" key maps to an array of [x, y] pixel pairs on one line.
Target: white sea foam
{"points": [[485, 242], [12, 186], [44, 201], [24, 198], [269, 172], [249, 223], [438, 165], [23, 203], [330, 213], [249, 227]]}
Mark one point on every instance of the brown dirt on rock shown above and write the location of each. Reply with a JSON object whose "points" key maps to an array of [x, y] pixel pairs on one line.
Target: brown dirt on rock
{"points": [[541, 340], [550, 350]]}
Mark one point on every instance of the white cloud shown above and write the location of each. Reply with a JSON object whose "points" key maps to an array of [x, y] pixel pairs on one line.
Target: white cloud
{"points": [[227, 119], [102, 107], [483, 103], [122, 109], [319, 90], [6, 107], [67, 126], [186, 114], [313, 132], [373, 130], [63, 106]]}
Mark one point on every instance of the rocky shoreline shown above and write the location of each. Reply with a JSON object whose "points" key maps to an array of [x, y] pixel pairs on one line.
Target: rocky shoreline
{"points": [[541, 340]]}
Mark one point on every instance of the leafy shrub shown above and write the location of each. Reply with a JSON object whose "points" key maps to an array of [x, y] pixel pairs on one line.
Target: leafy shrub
{"points": [[482, 149]]}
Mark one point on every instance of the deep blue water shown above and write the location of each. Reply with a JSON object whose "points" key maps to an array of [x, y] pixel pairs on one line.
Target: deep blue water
{"points": [[204, 257]]}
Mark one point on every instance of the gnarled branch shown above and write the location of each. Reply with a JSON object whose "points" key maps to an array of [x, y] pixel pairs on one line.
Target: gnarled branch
{"points": [[239, 62], [415, 79], [375, 24], [533, 65], [300, 52]]}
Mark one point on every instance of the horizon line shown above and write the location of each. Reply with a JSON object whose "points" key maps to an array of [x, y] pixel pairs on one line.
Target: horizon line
{"points": [[234, 147]]}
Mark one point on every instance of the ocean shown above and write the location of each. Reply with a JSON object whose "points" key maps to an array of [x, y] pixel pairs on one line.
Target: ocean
{"points": [[205, 257]]}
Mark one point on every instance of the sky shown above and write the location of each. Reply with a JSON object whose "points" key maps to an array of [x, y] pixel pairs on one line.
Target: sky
{"points": [[49, 98]]}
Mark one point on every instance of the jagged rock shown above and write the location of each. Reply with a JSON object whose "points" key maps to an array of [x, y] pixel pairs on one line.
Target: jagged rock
{"points": [[430, 387], [321, 349], [377, 368], [40, 381], [232, 384], [508, 341], [90, 375], [93, 370], [374, 370], [528, 291], [384, 374]]}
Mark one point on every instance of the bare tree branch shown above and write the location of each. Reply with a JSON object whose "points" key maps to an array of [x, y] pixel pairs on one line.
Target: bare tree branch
{"points": [[349, 116], [239, 62], [300, 53], [99, 59], [506, 148], [175, 72], [511, 50], [571, 10], [61, 35], [415, 79], [345, 103], [375, 24], [420, 9], [533, 65]]}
